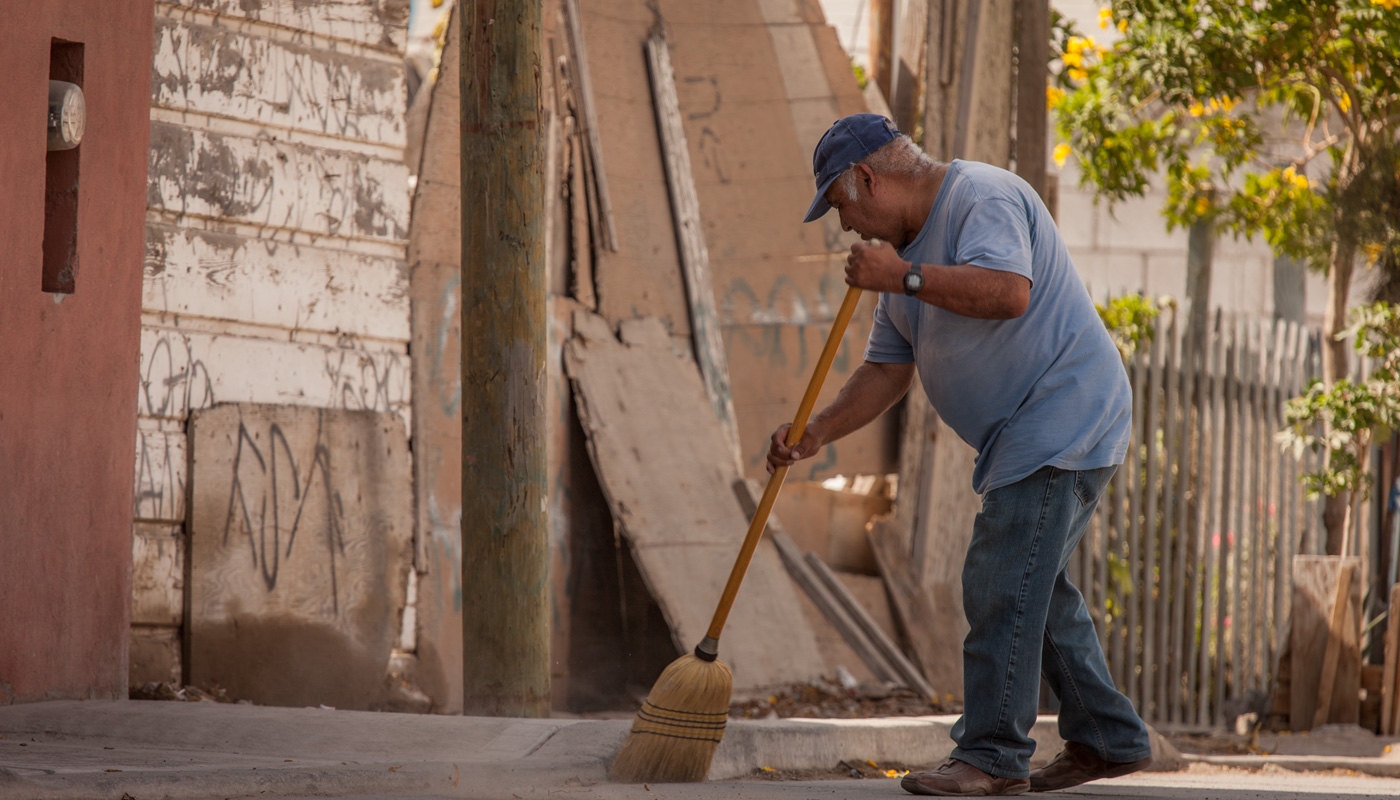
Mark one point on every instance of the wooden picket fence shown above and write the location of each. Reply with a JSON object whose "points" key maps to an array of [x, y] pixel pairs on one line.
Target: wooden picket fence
{"points": [[1186, 566]]}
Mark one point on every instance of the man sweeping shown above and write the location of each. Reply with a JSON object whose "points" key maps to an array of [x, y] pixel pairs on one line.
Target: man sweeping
{"points": [[979, 298]]}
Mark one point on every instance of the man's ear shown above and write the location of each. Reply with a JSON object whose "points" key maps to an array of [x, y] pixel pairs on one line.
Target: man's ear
{"points": [[867, 176]]}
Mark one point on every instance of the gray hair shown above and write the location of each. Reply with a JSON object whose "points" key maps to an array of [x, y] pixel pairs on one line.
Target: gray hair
{"points": [[899, 157]]}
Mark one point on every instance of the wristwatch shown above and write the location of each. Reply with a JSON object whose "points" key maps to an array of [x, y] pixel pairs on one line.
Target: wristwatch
{"points": [[914, 279]]}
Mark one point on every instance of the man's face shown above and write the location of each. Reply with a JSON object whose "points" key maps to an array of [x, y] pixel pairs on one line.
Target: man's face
{"points": [[863, 214]]}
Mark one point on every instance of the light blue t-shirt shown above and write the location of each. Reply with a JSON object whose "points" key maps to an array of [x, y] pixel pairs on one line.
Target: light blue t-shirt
{"points": [[1047, 388]]}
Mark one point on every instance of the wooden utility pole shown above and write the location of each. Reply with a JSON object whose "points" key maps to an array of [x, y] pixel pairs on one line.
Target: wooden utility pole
{"points": [[505, 542], [882, 45], [1032, 69]]}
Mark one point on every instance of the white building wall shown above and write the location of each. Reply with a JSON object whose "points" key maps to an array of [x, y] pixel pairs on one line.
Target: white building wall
{"points": [[277, 224]]}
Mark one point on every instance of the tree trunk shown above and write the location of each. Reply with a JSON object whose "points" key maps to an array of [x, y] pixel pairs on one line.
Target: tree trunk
{"points": [[1336, 362], [1200, 261]]}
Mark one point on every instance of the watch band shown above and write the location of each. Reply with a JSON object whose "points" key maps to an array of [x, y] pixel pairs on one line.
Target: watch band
{"points": [[914, 279]]}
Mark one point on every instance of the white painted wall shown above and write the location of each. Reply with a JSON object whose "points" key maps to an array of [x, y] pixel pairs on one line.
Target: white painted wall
{"points": [[277, 224]]}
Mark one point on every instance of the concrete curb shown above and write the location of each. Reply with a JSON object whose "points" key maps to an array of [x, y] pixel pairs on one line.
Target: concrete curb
{"points": [[1383, 767], [919, 742], [803, 744]]}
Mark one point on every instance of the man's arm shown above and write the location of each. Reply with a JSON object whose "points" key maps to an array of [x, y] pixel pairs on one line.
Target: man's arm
{"points": [[969, 290], [868, 393]]}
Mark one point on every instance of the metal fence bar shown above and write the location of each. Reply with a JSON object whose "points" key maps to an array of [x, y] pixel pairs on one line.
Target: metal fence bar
{"points": [[1152, 532], [1191, 548], [1228, 576], [1188, 444], [1171, 377], [1137, 586]]}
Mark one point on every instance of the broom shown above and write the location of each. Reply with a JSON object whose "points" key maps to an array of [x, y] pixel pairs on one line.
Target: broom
{"points": [[680, 724]]}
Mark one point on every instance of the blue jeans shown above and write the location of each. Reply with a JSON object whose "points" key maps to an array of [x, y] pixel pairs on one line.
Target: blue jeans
{"points": [[1026, 619]]}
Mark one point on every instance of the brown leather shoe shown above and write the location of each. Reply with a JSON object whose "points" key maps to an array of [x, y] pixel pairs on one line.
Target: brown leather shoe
{"points": [[1078, 764], [960, 779]]}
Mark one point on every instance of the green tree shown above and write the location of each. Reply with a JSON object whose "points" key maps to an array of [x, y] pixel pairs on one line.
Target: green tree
{"points": [[1273, 118], [1343, 420]]}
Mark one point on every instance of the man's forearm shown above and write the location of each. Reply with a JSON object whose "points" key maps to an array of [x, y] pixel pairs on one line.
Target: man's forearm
{"points": [[974, 291], [870, 391]]}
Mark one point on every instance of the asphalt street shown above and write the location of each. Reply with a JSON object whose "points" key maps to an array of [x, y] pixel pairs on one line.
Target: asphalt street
{"points": [[1201, 782]]}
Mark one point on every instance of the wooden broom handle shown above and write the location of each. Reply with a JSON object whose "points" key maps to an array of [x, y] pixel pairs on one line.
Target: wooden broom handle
{"points": [[775, 481]]}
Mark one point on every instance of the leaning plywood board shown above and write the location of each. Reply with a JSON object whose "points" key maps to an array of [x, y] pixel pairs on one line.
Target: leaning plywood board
{"points": [[301, 525], [757, 83], [665, 466], [926, 611], [1314, 585]]}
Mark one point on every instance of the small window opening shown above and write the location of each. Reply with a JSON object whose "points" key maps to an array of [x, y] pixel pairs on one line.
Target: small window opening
{"points": [[61, 180]]}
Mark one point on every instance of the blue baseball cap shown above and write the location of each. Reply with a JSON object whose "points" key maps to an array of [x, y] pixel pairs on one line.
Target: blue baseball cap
{"points": [[847, 142]]}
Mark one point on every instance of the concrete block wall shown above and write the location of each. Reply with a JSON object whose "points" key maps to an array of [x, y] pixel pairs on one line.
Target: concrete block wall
{"points": [[277, 222]]}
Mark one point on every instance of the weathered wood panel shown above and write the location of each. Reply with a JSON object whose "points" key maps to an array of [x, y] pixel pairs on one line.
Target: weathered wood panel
{"points": [[695, 259], [157, 575], [160, 476], [276, 184], [769, 367], [184, 371], [434, 259], [154, 656], [300, 532], [1315, 581], [230, 277], [679, 515], [230, 73], [800, 290], [381, 24]]}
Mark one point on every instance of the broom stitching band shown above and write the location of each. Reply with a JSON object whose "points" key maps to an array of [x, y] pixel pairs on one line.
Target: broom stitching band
{"points": [[647, 705], [646, 719], [679, 736]]}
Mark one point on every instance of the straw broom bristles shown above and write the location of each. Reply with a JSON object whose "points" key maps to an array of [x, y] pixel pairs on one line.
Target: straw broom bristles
{"points": [[675, 733]]}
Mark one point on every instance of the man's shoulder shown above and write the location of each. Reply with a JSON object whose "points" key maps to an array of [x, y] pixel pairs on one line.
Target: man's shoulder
{"points": [[980, 181]]}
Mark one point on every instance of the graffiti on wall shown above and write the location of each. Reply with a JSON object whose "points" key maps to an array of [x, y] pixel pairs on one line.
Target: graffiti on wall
{"points": [[268, 496]]}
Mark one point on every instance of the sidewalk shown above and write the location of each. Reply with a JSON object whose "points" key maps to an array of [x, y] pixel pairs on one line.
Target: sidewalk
{"points": [[150, 749]]}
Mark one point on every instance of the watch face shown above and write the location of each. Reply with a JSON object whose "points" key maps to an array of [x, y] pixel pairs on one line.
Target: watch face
{"points": [[913, 282]]}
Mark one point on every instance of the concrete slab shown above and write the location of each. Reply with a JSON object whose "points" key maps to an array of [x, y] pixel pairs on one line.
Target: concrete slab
{"points": [[61, 750]]}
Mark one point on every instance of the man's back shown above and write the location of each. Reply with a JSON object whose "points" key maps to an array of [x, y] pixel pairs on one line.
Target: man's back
{"points": [[1045, 388]]}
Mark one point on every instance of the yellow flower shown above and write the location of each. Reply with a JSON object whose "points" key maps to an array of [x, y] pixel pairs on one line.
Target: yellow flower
{"points": [[1202, 205], [1061, 153], [1073, 58], [1077, 74], [1388, 5], [1373, 253], [1344, 102], [1122, 26], [1196, 109], [1105, 17], [1053, 96], [1228, 103]]}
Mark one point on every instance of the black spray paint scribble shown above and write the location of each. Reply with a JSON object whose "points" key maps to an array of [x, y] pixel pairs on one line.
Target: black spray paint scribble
{"points": [[159, 484], [173, 381], [267, 483]]}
